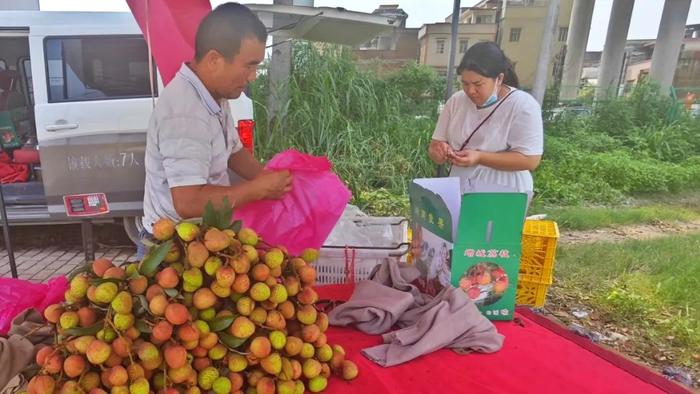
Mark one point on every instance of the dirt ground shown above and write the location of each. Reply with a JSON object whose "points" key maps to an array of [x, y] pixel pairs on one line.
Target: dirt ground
{"points": [[618, 234]]}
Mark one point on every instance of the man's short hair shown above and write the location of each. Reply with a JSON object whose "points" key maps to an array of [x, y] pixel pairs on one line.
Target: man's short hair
{"points": [[224, 29]]}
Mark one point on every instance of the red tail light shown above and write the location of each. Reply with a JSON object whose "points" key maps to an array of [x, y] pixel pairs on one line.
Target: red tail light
{"points": [[246, 130]]}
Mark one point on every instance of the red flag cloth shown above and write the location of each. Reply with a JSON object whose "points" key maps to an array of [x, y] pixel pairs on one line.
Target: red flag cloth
{"points": [[172, 25], [538, 356]]}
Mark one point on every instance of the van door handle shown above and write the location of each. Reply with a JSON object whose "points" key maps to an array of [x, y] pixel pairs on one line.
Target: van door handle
{"points": [[61, 126]]}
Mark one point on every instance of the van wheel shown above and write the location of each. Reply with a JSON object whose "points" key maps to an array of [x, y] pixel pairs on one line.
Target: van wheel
{"points": [[133, 227]]}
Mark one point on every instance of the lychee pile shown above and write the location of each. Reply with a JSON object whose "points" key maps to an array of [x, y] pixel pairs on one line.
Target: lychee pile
{"points": [[208, 310]]}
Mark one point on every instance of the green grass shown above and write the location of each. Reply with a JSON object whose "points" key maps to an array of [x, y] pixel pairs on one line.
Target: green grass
{"points": [[583, 218], [651, 284], [376, 128]]}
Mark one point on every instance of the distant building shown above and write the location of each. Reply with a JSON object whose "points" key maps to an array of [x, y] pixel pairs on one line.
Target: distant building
{"points": [[476, 24], [692, 31], [637, 64], [393, 49], [521, 25], [637, 52], [688, 69], [522, 29]]}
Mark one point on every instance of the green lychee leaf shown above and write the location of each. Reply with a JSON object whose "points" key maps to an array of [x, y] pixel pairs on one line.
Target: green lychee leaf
{"points": [[230, 341], [219, 218], [142, 327], [138, 311], [171, 292], [236, 226], [99, 281], [210, 218], [133, 275], [80, 331], [220, 323], [225, 215], [150, 263], [84, 268], [32, 370], [144, 301]]}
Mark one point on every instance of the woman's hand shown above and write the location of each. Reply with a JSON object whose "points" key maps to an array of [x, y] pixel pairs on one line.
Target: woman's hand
{"points": [[439, 151], [465, 158]]}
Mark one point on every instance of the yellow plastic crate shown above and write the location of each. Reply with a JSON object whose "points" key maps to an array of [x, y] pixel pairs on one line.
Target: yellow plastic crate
{"points": [[531, 293], [539, 249]]}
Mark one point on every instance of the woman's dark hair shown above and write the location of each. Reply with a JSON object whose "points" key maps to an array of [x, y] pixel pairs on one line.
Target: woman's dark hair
{"points": [[487, 59], [225, 28]]}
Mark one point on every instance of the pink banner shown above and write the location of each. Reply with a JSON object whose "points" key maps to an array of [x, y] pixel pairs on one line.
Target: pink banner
{"points": [[172, 25]]}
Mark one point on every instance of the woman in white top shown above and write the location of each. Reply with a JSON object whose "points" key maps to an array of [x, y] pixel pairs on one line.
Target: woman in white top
{"points": [[490, 131]]}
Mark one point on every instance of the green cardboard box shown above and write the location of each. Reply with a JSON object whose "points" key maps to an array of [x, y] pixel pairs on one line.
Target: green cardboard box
{"points": [[468, 237]]}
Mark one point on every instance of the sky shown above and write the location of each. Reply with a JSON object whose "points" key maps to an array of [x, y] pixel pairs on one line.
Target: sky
{"points": [[644, 25]]}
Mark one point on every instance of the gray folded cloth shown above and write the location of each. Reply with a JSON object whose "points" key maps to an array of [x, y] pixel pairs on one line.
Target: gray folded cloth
{"points": [[453, 321], [450, 319], [368, 309], [17, 351]]}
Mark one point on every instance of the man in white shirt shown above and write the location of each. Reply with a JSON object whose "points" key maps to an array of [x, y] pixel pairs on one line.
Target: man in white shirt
{"points": [[192, 141]]}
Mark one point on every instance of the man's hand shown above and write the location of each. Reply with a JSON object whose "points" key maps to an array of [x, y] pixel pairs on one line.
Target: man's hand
{"points": [[273, 184], [189, 201], [465, 158]]}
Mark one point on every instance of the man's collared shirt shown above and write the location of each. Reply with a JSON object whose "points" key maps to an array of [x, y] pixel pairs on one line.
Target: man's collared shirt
{"points": [[189, 141]]}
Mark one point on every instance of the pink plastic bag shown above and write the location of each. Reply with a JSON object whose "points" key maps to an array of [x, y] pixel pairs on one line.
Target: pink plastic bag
{"points": [[17, 295], [305, 216]]}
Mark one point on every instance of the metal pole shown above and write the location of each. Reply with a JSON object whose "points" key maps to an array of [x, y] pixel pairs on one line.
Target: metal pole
{"points": [[453, 50], [623, 74], [88, 246], [500, 14], [6, 235]]}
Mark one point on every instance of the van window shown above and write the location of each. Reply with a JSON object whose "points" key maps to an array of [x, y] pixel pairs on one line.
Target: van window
{"points": [[97, 68]]}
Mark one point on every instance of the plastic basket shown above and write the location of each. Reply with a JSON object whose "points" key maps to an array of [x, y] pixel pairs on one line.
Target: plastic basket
{"points": [[531, 293], [339, 264], [539, 248], [340, 269]]}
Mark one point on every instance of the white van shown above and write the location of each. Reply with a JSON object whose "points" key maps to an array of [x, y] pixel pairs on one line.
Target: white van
{"points": [[76, 97], [78, 94]]}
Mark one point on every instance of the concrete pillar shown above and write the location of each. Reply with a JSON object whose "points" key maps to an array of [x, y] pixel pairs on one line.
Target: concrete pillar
{"points": [[281, 65], [539, 86], [668, 42], [279, 71], [579, 28], [614, 49]]}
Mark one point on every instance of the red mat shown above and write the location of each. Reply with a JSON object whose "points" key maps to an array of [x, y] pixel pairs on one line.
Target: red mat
{"points": [[539, 356]]}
